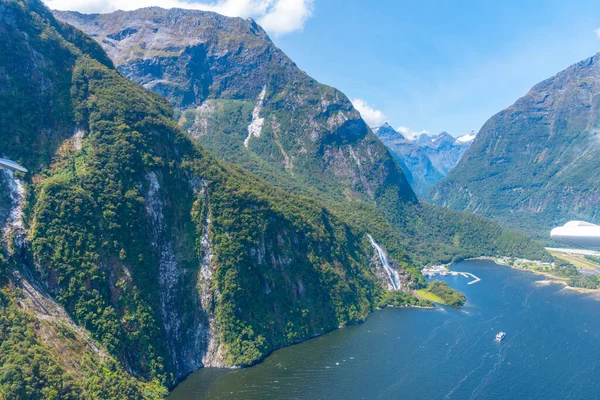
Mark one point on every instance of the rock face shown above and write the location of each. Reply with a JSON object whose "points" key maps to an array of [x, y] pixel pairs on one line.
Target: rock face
{"points": [[130, 256], [534, 165], [425, 160], [444, 150], [161, 258], [247, 102]]}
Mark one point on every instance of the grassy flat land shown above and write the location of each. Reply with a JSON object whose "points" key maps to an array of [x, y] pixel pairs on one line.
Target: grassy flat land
{"points": [[578, 260], [425, 295]]}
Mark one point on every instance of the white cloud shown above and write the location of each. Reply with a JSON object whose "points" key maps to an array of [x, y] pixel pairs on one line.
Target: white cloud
{"points": [[410, 134], [597, 32], [278, 17], [287, 16], [371, 115]]}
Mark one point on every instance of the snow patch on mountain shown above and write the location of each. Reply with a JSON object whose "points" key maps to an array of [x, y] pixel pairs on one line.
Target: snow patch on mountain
{"points": [[255, 127], [411, 134], [468, 138]]}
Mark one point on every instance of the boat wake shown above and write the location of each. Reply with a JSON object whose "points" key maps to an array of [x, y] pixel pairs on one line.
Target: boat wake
{"points": [[459, 384]]}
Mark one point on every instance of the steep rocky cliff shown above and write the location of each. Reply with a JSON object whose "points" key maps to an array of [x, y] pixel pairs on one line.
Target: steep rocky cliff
{"points": [[248, 103], [412, 157], [425, 159], [534, 165], [130, 256]]}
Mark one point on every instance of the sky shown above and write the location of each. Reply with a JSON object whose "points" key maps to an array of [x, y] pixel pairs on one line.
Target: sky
{"points": [[427, 65]]}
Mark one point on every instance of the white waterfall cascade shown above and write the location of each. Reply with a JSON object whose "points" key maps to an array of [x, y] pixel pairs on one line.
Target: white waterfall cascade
{"points": [[255, 127], [392, 274], [14, 222]]}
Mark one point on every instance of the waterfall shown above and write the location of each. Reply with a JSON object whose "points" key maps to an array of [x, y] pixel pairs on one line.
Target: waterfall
{"points": [[255, 127], [383, 257]]}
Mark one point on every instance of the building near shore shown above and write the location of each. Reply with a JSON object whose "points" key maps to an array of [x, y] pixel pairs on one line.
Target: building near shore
{"points": [[577, 233]]}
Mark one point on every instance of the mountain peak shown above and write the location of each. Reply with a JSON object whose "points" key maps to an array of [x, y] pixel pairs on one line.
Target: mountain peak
{"points": [[211, 67], [468, 138], [543, 147]]}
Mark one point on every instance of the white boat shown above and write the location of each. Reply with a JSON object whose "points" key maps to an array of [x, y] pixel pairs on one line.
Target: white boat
{"points": [[500, 336]]}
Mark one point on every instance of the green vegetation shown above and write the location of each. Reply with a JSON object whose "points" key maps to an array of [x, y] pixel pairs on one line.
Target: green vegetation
{"points": [[441, 292], [595, 260], [431, 234], [284, 268], [561, 268], [436, 235], [585, 282], [399, 299], [428, 296], [31, 369], [586, 262], [533, 167]]}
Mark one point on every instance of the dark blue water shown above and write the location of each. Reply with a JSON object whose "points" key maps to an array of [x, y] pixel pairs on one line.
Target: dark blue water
{"points": [[552, 350]]}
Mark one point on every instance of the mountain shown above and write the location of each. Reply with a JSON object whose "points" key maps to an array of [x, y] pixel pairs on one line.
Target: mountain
{"points": [[244, 100], [412, 157], [129, 255], [444, 150], [534, 165], [426, 159]]}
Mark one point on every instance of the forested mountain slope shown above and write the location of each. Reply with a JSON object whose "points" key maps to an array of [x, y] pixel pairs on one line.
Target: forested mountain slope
{"points": [[130, 256], [248, 103], [535, 165]]}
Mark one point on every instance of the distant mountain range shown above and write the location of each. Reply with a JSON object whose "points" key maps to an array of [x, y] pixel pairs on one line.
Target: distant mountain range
{"points": [[536, 164], [426, 159], [131, 254]]}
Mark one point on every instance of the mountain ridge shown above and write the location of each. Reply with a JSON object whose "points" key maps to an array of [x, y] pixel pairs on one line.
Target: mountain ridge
{"points": [[310, 134], [131, 256], [426, 159], [532, 165]]}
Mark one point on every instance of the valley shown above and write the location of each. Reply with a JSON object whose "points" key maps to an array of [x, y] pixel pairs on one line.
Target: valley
{"points": [[532, 164], [179, 199], [440, 353]]}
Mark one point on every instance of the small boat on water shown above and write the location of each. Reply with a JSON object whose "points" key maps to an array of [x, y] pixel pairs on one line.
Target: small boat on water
{"points": [[500, 336]]}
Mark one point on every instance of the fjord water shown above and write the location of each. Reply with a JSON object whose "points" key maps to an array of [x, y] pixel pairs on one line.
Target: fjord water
{"points": [[552, 350]]}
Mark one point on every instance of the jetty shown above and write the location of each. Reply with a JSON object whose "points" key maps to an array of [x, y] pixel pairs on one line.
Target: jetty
{"points": [[442, 270], [468, 274]]}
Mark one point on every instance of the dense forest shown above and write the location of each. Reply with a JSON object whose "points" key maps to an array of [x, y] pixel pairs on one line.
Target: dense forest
{"points": [[446, 293], [142, 257]]}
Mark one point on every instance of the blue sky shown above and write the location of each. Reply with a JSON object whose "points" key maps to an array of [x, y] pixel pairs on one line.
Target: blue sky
{"points": [[442, 65], [425, 65]]}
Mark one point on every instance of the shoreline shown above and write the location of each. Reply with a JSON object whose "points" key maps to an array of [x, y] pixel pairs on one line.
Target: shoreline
{"points": [[314, 336], [499, 261], [553, 278]]}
